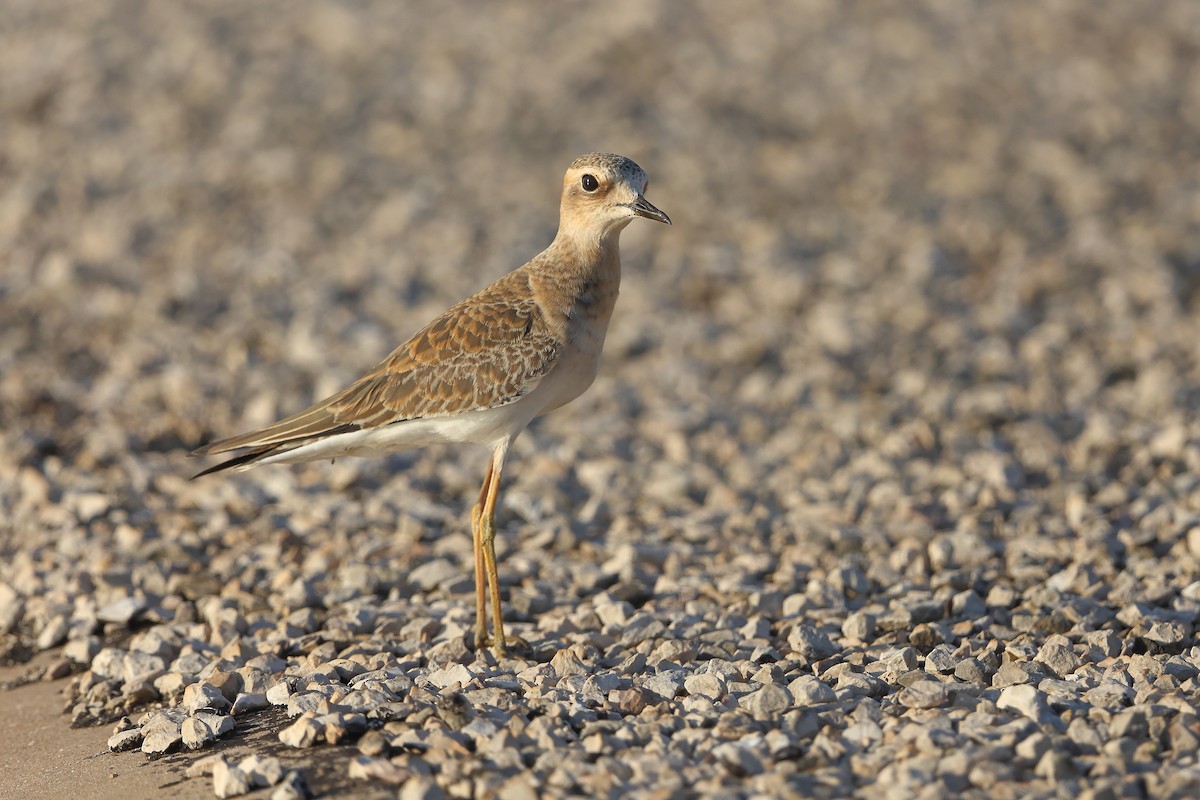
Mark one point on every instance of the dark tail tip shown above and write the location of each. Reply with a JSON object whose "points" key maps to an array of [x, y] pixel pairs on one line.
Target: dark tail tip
{"points": [[236, 461]]}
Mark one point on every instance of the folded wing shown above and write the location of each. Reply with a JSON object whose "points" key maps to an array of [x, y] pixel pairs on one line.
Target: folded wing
{"points": [[485, 352]]}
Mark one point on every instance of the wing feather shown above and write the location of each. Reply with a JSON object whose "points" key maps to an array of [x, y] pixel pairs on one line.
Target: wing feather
{"points": [[487, 351]]}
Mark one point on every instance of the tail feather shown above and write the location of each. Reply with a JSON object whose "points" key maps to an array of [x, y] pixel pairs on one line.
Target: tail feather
{"points": [[244, 460], [310, 423], [261, 451]]}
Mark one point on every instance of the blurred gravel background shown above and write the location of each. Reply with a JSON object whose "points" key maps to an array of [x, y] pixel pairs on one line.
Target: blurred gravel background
{"points": [[890, 484]]}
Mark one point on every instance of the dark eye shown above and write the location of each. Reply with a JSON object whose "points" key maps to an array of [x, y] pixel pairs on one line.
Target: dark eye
{"points": [[589, 183]]}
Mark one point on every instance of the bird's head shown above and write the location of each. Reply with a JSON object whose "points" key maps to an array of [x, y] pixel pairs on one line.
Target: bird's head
{"points": [[601, 194]]}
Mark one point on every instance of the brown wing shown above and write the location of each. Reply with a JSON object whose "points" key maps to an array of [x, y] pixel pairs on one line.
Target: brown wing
{"points": [[487, 351]]}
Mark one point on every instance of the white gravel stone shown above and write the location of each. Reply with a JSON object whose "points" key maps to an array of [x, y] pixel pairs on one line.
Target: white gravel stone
{"points": [[1033, 747], [125, 740], [141, 667], [261, 771], [122, 611], [451, 675], [162, 739], [377, 770], [740, 761], [229, 780], [82, 651], [279, 694], [419, 787], [54, 632], [1168, 633], [1028, 701], [246, 703], [219, 724], [340, 725], [859, 627], [924, 694], [810, 643], [566, 663], [292, 787], [196, 734], [664, 686], [307, 702], [304, 732], [940, 659], [768, 702], [12, 606], [1059, 655], [203, 767], [705, 684], [203, 695], [434, 573], [154, 643], [900, 659], [109, 662], [808, 690]]}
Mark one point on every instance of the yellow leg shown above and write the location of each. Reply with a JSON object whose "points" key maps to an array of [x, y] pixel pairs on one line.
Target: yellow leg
{"points": [[487, 527], [481, 639]]}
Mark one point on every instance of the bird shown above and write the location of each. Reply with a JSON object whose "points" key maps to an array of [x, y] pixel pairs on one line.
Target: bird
{"points": [[484, 369]]}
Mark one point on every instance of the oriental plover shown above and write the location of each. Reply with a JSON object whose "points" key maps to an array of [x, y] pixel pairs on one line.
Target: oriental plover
{"points": [[480, 372]]}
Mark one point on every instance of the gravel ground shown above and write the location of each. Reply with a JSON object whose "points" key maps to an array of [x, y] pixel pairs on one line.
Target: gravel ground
{"points": [[890, 484]]}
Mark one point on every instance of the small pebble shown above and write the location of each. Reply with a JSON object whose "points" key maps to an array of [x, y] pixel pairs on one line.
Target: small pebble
{"points": [[304, 732], [196, 734], [924, 694], [229, 780]]}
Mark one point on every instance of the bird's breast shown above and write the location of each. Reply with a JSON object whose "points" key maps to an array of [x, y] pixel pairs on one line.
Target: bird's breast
{"points": [[579, 359]]}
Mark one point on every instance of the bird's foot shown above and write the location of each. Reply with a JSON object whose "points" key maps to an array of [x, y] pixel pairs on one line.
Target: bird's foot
{"points": [[510, 646]]}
